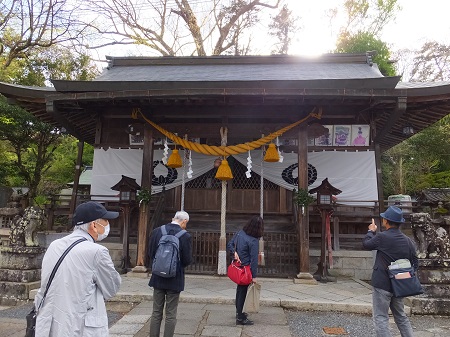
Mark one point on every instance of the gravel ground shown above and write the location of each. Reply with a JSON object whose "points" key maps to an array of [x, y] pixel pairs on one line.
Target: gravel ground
{"points": [[311, 324], [21, 311]]}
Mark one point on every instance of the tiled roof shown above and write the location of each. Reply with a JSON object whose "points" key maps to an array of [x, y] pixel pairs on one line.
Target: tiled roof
{"points": [[434, 195], [241, 72]]}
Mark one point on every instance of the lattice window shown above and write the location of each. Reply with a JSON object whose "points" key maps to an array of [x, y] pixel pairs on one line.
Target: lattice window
{"points": [[206, 181], [241, 182]]}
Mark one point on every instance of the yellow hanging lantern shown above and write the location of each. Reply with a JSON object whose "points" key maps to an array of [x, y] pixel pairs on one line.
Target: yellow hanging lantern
{"points": [[272, 154], [174, 160], [224, 171]]}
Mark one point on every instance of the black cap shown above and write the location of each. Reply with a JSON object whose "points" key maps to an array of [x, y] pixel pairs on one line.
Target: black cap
{"points": [[90, 211]]}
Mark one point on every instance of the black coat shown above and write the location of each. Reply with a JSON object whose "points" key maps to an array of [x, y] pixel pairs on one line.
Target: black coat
{"points": [[174, 283], [391, 245]]}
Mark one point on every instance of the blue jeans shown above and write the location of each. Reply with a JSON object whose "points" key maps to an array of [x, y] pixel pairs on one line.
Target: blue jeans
{"points": [[383, 300], [170, 298]]}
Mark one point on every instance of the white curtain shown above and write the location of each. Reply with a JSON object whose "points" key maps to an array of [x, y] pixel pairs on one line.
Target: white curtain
{"points": [[109, 166], [353, 173]]}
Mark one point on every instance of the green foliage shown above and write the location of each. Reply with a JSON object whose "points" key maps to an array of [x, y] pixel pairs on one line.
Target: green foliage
{"points": [[302, 197], [41, 200], [434, 180], [31, 141], [422, 161], [363, 42], [441, 210], [30, 154], [144, 195], [61, 63], [64, 160], [43, 64]]}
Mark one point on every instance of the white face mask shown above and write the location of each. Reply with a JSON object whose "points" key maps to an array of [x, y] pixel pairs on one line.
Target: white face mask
{"points": [[105, 233]]}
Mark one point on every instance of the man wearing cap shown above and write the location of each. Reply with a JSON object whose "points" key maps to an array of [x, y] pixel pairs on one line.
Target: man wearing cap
{"points": [[390, 244], [75, 302], [166, 291]]}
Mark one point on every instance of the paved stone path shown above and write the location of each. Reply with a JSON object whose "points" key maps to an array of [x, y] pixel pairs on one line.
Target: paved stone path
{"points": [[207, 309]]}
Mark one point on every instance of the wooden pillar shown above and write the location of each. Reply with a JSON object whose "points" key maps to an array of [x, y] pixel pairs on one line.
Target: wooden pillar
{"points": [[379, 180], [76, 181], [304, 275], [144, 212], [125, 239]]}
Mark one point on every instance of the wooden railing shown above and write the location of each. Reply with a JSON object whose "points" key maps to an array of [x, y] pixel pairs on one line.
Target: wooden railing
{"points": [[351, 218], [58, 210], [280, 251]]}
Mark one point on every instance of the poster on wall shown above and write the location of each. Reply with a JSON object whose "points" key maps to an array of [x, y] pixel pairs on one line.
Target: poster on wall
{"points": [[341, 135], [360, 135], [326, 139]]}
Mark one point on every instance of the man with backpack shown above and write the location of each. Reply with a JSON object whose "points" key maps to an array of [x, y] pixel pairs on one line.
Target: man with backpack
{"points": [[170, 251]]}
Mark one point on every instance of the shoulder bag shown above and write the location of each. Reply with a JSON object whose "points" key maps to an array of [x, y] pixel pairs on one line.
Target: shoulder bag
{"points": [[31, 317], [404, 280], [239, 274]]}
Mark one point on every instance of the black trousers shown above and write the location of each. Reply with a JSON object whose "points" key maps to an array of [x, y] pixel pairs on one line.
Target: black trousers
{"points": [[241, 293]]}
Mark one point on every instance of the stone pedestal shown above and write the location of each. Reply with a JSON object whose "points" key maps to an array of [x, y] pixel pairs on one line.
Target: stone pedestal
{"points": [[139, 272], [305, 278], [435, 279], [20, 272]]}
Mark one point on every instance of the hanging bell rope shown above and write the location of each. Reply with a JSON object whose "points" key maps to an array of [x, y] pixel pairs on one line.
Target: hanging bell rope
{"points": [[174, 160], [272, 154], [224, 150], [261, 259], [224, 170]]}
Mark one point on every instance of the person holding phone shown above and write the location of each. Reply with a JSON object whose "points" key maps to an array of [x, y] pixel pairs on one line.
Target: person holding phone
{"points": [[391, 244]]}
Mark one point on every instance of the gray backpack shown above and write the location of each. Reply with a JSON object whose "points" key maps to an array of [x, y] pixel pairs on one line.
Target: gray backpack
{"points": [[167, 256]]}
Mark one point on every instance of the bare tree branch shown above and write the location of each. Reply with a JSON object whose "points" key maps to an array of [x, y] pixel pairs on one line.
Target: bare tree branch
{"points": [[176, 27], [26, 24]]}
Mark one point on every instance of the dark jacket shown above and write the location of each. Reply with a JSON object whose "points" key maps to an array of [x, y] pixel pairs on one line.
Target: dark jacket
{"points": [[391, 245], [174, 283], [247, 248]]}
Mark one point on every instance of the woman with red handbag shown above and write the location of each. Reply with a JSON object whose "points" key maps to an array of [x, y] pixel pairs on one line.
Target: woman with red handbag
{"points": [[244, 249]]}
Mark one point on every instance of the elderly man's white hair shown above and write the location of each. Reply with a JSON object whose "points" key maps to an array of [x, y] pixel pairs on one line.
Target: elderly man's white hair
{"points": [[84, 227], [181, 215]]}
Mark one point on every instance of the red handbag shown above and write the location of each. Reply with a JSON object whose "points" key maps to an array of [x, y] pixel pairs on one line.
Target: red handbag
{"points": [[241, 275]]}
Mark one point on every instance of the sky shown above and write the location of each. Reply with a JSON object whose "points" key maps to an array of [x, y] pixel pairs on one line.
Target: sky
{"points": [[417, 22]]}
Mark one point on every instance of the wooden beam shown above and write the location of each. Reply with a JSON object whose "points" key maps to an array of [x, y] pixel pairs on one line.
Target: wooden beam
{"points": [[393, 118]]}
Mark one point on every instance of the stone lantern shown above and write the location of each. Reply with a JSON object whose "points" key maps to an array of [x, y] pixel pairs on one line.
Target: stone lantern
{"points": [[127, 188]]}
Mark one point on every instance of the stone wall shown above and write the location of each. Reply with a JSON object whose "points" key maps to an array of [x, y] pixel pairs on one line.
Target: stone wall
{"points": [[352, 263], [356, 264]]}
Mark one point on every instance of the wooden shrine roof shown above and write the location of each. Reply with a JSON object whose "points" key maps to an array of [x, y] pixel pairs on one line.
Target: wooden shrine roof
{"points": [[247, 92]]}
